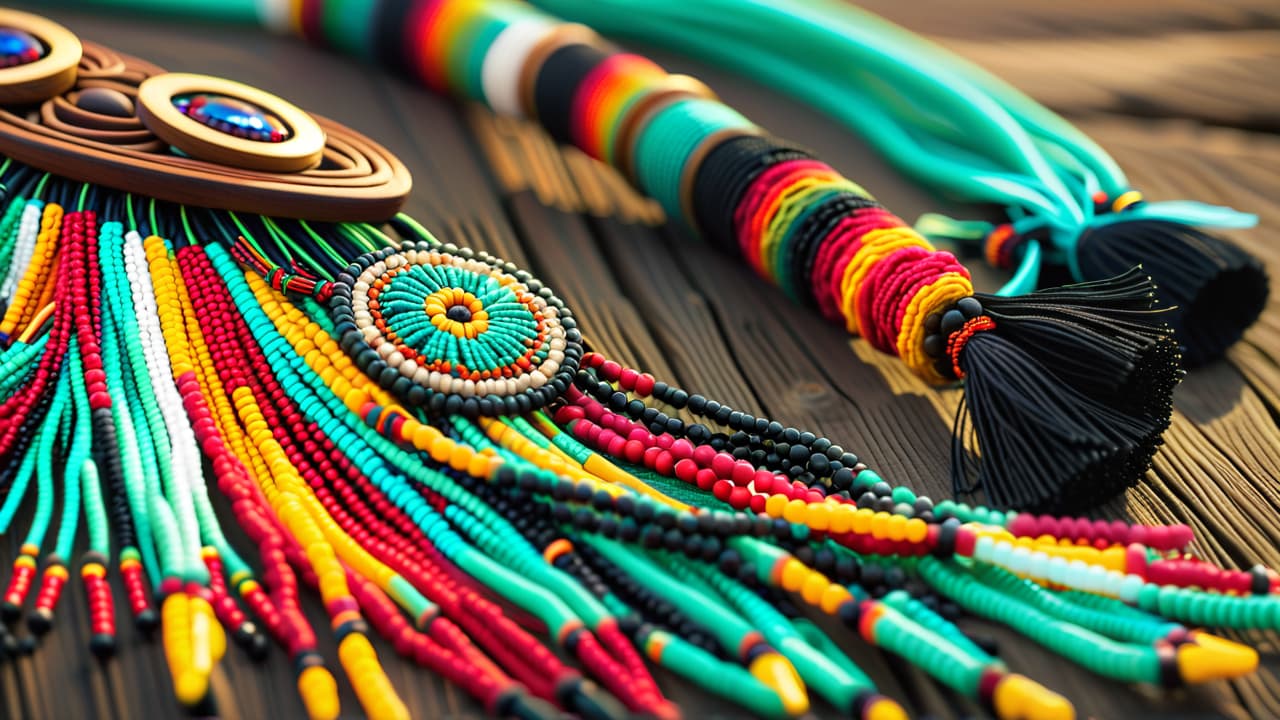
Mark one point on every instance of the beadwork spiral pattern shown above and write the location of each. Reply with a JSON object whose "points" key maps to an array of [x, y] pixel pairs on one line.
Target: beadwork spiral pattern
{"points": [[456, 331]]}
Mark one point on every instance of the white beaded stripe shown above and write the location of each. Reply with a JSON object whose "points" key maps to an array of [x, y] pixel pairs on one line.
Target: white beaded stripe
{"points": [[500, 73], [186, 466], [28, 231]]}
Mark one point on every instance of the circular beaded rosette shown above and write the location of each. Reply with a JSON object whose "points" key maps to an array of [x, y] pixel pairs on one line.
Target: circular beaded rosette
{"points": [[456, 331]]}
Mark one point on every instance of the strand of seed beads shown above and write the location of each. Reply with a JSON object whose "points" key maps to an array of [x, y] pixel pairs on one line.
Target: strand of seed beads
{"points": [[44, 450], [74, 423]]}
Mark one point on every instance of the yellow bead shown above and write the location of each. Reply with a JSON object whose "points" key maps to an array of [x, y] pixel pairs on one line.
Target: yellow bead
{"points": [[319, 692], [441, 449], [833, 596], [896, 528], [819, 516], [814, 587], [1214, 658], [917, 530], [1016, 696], [883, 708], [775, 505], [794, 574], [779, 675], [862, 521], [842, 518], [796, 511]]}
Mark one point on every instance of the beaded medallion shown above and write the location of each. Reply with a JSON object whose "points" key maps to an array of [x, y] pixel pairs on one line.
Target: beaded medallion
{"points": [[456, 331]]}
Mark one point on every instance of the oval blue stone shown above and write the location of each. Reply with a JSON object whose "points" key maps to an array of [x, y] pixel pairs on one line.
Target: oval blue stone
{"points": [[233, 116], [18, 47]]}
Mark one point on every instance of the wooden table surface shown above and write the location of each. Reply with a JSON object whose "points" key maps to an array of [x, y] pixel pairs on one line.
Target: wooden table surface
{"points": [[1183, 93]]}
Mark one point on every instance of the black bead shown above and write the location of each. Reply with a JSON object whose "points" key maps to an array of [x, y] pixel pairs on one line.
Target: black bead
{"points": [[791, 435], [804, 554], [952, 320], [872, 574], [824, 560], [819, 465], [935, 346], [601, 500], [894, 576], [969, 307]]}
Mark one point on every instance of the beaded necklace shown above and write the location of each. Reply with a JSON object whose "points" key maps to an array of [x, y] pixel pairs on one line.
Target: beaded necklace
{"points": [[414, 429]]}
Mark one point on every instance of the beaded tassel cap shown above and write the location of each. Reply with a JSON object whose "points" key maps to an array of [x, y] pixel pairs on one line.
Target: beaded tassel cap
{"points": [[419, 433], [1067, 392]]}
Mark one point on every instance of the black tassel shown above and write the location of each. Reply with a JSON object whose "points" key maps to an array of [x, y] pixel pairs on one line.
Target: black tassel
{"points": [[1104, 338], [1214, 290], [1067, 392]]}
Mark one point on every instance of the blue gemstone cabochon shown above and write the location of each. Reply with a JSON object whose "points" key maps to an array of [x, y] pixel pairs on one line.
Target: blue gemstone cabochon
{"points": [[232, 116], [18, 47]]}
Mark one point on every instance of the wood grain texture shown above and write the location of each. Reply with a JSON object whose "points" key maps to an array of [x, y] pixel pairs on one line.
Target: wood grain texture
{"points": [[653, 296]]}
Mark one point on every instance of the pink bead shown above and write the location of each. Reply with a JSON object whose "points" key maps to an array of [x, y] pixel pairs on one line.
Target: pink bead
{"points": [[722, 489], [686, 469], [569, 413], [627, 378], [722, 465], [664, 462], [1024, 525], [703, 455]]}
